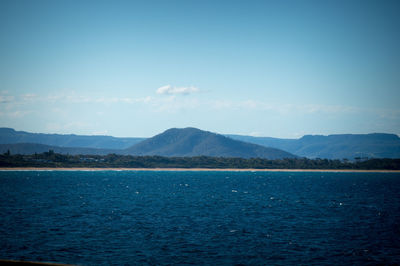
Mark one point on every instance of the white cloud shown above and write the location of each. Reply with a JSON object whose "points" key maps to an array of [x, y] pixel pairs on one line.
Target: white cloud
{"points": [[168, 89]]}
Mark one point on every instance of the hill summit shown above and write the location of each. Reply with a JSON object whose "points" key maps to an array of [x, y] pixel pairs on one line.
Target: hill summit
{"points": [[181, 142]]}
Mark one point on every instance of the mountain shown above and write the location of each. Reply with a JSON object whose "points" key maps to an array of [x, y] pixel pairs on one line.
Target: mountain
{"points": [[177, 142], [31, 148], [191, 142], [10, 136], [340, 146]]}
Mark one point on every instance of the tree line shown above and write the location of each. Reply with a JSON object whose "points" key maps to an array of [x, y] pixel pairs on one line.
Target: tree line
{"points": [[52, 159]]}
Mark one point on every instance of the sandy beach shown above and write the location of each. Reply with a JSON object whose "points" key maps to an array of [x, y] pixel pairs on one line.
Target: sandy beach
{"points": [[191, 169]]}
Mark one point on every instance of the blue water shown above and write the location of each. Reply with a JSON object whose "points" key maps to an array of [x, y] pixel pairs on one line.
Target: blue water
{"points": [[205, 218]]}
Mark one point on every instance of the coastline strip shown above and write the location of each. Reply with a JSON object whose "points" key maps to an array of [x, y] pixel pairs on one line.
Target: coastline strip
{"points": [[192, 169]]}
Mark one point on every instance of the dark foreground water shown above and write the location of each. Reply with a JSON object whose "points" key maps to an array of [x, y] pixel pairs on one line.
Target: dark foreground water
{"points": [[208, 218]]}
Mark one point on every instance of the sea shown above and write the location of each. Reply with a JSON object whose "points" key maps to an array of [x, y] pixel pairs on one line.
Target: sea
{"points": [[200, 217]]}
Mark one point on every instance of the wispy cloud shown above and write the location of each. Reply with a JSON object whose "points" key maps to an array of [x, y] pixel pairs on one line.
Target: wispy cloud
{"points": [[22, 107], [6, 99], [108, 100], [79, 99], [15, 114], [30, 101], [168, 89], [282, 108], [69, 126]]}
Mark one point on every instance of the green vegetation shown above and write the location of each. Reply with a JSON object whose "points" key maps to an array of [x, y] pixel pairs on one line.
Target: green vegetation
{"points": [[189, 142], [52, 159]]}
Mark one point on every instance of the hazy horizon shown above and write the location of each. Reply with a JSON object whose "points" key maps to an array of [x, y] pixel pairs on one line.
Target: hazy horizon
{"points": [[262, 68], [162, 131]]}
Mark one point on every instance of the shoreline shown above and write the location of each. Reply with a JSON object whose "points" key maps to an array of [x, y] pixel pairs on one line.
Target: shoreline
{"points": [[193, 169]]}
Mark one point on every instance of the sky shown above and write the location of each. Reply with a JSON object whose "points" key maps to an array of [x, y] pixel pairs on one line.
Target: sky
{"points": [[263, 68]]}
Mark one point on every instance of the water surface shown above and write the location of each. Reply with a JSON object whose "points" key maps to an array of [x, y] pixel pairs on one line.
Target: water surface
{"points": [[220, 218]]}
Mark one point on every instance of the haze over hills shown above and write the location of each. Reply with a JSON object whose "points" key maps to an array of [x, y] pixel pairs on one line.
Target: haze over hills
{"points": [[171, 143], [194, 142], [10, 136], [187, 142], [31, 148], [350, 146]]}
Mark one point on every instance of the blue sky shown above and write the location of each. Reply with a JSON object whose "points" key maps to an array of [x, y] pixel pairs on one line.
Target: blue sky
{"points": [[137, 68]]}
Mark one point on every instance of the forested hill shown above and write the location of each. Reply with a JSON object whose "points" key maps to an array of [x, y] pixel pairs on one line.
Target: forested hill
{"points": [[195, 142], [350, 146]]}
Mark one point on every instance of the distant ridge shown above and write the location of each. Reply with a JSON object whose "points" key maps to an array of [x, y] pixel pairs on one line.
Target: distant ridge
{"points": [[350, 146], [10, 136], [180, 142], [31, 148]]}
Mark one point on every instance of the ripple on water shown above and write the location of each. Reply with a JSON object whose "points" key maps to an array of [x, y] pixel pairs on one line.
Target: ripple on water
{"points": [[117, 218]]}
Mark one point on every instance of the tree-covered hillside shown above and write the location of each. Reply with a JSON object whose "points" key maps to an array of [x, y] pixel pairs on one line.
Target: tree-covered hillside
{"points": [[195, 142]]}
